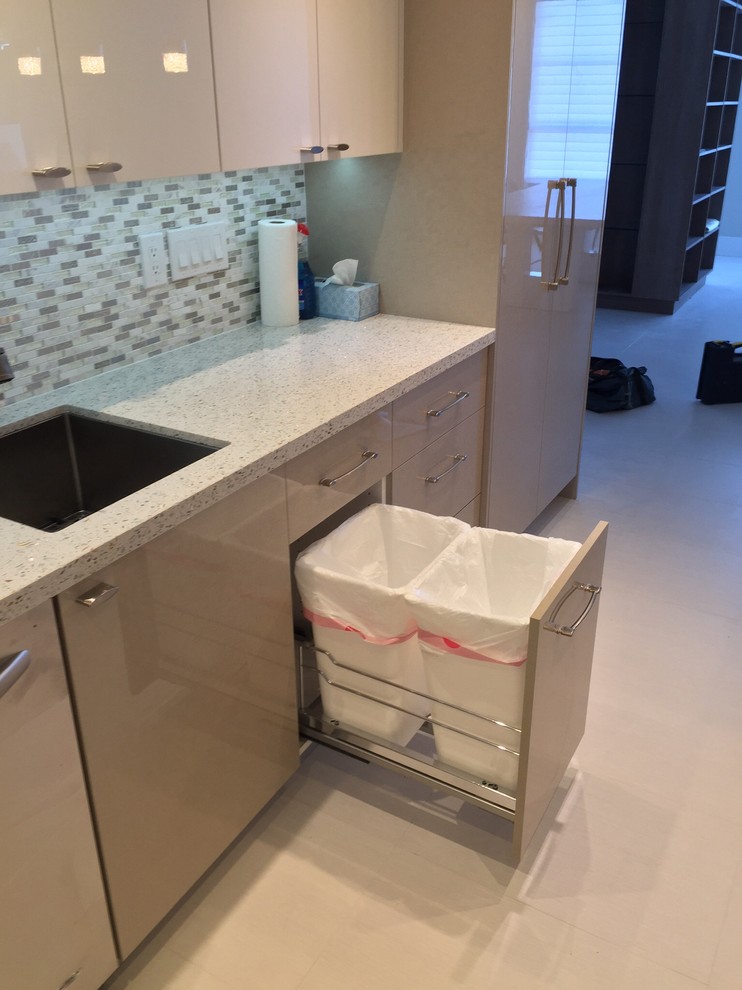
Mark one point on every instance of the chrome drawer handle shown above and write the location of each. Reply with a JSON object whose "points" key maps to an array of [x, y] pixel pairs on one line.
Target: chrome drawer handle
{"points": [[367, 455], [553, 626], [459, 397], [96, 596], [104, 167], [12, 668], [433, 479], [316, 149], [338, 147], [51, 172]]}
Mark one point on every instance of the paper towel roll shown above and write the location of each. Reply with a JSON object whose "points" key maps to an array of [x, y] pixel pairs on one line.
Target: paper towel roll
{"points": [[278, 273]]}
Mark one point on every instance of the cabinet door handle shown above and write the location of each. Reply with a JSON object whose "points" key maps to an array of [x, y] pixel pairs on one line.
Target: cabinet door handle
{"points": [[316, 149], [557, 184], [367, 455], [51, 172], [12, 668], [569, 184], [338, 147], [459, 397], [104, 167], [96, 596], [433, 479], [553, 626]]}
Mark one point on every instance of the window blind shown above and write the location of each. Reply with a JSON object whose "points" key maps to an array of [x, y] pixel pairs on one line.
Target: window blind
{"points": [[577, 45]]}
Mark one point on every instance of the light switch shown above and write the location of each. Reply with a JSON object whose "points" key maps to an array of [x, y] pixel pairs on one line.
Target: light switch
{"points": [[198, 249]]}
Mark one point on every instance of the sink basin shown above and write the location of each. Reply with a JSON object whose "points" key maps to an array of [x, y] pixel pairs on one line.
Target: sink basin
{"points": [[64, 468]]}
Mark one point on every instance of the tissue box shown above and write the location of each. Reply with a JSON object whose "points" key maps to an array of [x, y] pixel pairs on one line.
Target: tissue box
{"points": [[347, 302]]}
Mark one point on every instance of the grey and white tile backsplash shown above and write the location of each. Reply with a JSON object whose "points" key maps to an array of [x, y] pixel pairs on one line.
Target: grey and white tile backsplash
{"points": [[72, 302]]}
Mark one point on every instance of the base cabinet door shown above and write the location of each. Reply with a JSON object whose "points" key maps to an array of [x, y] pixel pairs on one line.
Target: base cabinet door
{"points": [[54, 923], [182, 673]]}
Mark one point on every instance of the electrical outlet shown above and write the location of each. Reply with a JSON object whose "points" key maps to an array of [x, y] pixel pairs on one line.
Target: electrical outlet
{"points": [[154, 260]]}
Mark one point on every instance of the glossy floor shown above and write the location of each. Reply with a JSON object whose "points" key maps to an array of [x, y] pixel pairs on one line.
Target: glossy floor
{"points": [[360, 880]]}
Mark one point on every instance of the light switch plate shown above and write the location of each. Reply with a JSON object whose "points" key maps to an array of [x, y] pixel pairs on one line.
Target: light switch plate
{"points": [[198, 249]]}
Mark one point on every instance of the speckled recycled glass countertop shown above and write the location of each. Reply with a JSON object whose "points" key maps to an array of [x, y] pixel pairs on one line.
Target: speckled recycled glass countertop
{"points": [[267, 393]]}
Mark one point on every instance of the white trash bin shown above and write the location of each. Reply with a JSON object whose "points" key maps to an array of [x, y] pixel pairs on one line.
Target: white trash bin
{"points": [[472, 607], [352, 585]]}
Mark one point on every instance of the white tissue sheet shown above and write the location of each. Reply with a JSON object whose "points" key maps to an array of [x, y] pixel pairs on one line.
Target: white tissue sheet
{"points": [[343, 272], [482, 589]]}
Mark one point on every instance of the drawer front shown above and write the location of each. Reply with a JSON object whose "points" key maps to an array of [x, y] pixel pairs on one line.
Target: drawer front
{"points": [[472, 512], [341, 458], [414, 425], [560, 655], [458, 479]]}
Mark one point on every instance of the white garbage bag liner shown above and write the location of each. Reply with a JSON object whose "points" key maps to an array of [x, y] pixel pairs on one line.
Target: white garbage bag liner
{"points": [[473, 607], [476, 599], [356, 577], [352, 585]]}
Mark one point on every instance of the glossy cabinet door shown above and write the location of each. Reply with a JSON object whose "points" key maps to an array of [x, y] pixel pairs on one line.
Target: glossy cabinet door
{"points": [[34, 150], [360, 76], [557, 171], [184, 686], [138, 88], [265, 67], [53, 915]]}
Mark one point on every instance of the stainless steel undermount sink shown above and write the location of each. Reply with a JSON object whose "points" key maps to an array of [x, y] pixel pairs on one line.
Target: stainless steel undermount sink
{"points": [[59, 470]]}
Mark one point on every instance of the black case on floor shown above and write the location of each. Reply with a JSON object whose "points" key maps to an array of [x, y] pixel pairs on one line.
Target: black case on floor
{"points": [[721, 373]]}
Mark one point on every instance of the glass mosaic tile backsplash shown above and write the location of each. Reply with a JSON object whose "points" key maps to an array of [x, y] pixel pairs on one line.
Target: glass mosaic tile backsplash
{"points": [[72, 301]]}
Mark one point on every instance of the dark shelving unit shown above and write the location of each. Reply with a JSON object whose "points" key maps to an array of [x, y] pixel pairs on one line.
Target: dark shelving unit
{"points": [[678, 98]]}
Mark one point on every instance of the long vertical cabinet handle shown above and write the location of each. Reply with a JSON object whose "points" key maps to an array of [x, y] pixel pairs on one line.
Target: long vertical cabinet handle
{"points": [[12, 668], [559, 185], [569, 184]]}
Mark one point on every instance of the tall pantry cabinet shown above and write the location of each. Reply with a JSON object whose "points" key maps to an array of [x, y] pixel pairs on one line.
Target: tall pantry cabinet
{"points": [[502, 111]]}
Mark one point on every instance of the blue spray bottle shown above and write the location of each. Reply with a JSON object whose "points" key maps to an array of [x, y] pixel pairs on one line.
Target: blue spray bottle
{"points": [[307, 294]]}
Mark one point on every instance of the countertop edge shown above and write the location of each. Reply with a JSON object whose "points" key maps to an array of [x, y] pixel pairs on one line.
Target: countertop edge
{"points": [[150, 518]]}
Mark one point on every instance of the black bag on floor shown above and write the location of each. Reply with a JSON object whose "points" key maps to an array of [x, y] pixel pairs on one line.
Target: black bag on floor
{"points": [[613, 386], [720, 379]]}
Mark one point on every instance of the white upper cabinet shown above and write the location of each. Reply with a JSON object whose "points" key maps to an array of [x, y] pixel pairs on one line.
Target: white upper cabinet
{"points": [[138, 88], [360, 76], [298, 79], [34, 151], [265, 67], [128, 91]]}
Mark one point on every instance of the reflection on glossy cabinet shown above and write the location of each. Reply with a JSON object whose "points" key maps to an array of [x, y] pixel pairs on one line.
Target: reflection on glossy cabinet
{"points": [[184, 687], [34, 150], [138, 88], [360, 71], [54, 923], [267, 92]]}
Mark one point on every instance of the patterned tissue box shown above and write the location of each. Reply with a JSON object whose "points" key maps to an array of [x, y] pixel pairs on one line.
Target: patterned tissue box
{"points": [[347, 302]]}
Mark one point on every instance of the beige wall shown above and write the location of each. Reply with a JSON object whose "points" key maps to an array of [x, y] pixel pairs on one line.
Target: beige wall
{"points": [[426, 224]]}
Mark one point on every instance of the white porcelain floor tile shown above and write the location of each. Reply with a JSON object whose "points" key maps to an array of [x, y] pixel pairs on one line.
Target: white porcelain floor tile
{"points": [[406, 944], [636, 872], [165, 970]]}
